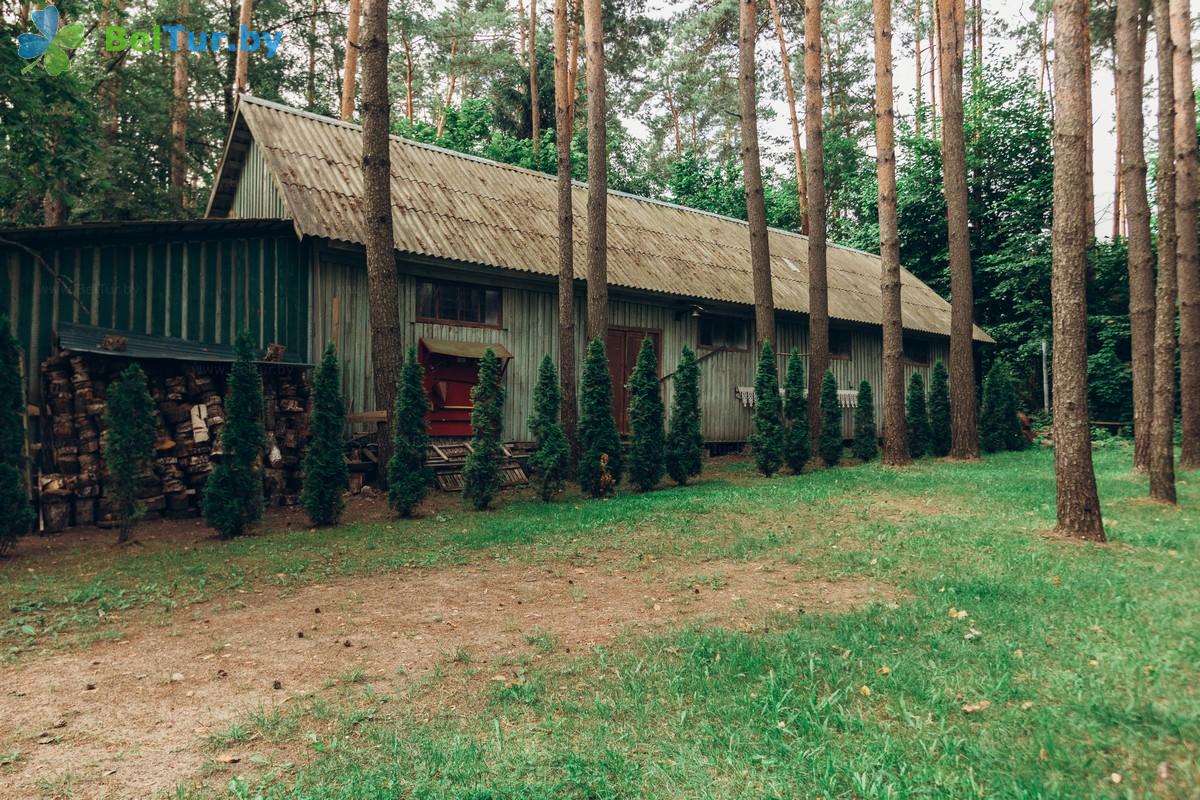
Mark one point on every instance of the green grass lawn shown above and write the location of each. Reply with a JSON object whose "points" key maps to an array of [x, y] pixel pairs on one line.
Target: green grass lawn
{"points": [[1085, 656]]}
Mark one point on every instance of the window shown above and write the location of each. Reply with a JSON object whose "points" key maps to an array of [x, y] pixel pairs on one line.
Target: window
{"points": [[916, 352], [724, 333], [839, 344], [457, 304]]}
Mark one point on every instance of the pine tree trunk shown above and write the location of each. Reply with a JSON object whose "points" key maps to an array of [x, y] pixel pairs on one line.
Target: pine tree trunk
{"points": [[1130, 56], [408, 75], [231, 64], [964, 424], [1162, 432], [895, 430], [350, 66], [535, 113], [1185, 228], [818, 283], [935, 39], [310, 92], [597, 119], [790, 89], [1075, 481], [564, 96], [756, 208], [1090, 213], [441, 120], [179, 113], [383, 285], [919, 73], [241, 75]]}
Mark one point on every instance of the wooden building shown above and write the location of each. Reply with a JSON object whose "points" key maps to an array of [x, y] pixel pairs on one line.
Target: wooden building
{"points": [[477, 255]]}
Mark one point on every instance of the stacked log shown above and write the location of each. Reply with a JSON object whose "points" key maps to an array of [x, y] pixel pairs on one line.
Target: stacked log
{"points": [[191, 412]]}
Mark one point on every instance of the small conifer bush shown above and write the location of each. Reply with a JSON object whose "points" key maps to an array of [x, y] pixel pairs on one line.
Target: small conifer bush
{"points": [[646, 455], [939, 410], [685, 442], [767, 439], [233, 496], [597, 427], [325, 472], [482, 473], [831, 421], [917, 417], [999, 426], [407, 476], [131, 418], [866, 444], [797, 443], [551, 460]]}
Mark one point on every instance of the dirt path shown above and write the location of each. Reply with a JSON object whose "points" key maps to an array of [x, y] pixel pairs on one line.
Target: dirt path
{"points": [[127, 718]]}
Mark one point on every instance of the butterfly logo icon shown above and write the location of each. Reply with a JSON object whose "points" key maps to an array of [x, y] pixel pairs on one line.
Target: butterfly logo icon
{"points": [[47, 46]]}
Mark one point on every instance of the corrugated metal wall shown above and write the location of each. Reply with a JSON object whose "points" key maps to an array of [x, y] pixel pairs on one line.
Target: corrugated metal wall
{"points": [[257, 196], [530, 330], [194, 288]]}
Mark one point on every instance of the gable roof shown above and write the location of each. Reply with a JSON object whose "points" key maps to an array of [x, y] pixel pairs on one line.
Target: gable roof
{"points": [[464, 208]]}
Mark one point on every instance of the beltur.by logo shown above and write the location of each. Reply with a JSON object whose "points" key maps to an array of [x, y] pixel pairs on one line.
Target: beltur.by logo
{"points": [[176, 37]]}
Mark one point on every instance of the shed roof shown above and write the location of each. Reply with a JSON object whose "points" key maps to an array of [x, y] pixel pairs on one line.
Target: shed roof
{"points": [[454, 206], [80, 338]]}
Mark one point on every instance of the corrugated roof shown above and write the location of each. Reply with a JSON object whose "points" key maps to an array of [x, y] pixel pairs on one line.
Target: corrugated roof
{"points": [[454, 206], [448, 347], [79, 338]]}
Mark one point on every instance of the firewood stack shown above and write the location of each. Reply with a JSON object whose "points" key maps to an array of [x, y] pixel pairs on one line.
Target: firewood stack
{"points": [[191, 413]]}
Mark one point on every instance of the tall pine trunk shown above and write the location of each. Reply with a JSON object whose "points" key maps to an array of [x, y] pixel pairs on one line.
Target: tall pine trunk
{"points": [[383, 285], [310, 87], [1075, 481], [179, 114], [818, 281], [1162, 432], [964, 423], [756, 207], [597, 118], [241, 75], [535, 112], [350, 65], [895, 431], [1185, 228], [564, 99], [790, 89], [1130, 56]]}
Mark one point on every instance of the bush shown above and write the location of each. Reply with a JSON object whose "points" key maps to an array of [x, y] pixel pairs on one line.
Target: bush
{"points": [[646, 421], [408, 477], [999, 426], [130, 419], [599, 444], [797, 443], [16, 514], [918, 418], [551, 459], [939, 410], [685, 442], [233, 496], [481, 474], [325, 472], [866, 443], [767, 438], [831, 421]]}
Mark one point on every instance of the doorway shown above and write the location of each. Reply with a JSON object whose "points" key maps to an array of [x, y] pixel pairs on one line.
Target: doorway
{"points": [[623, 346]]}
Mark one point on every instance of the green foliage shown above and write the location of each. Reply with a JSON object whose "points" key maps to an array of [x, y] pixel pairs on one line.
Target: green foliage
{"points": [[16, 515], [646, 455], [551, 460], [999, 427], [767, 438], [408, 477], [482, 473], [797, 442], [233, 496], [685, 441], [866, 444], [830, 444], [131, 418], [325, 473], [939, 410], [919, 434], [598, 439]]}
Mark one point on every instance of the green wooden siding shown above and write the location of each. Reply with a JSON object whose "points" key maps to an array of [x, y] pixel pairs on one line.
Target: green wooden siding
{"points": [[257, 196]]}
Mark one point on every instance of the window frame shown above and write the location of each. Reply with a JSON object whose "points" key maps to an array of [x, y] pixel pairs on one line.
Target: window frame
{"points": [[459, 287], [914, 362], [849, 354], [717, 318]]}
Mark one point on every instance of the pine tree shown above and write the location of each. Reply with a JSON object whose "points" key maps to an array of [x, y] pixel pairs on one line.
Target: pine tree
{"points": [[939, 410], [597, 427], [866, 444], [685, 442], [767, 439], [233, 496], [1000, 428], [797, 444], [481, 475], [16, 515], [646, 465], [325, 472], [408, 477], [918, 418], [131, 419], [831, 421], [549, 463]]}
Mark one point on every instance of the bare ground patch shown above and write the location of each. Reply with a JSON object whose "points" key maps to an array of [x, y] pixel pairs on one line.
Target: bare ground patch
{"points": [[130, 717]]}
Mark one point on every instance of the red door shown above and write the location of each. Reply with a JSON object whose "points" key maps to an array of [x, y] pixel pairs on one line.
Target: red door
{"points": [[623, 347]]}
